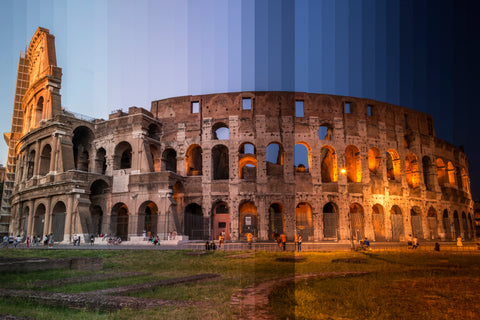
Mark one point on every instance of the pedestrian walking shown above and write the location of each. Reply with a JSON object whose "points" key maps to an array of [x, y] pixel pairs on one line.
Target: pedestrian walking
{"points": [[28, 242]]}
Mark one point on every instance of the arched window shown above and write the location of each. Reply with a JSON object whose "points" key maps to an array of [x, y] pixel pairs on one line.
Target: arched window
{"points": [[82, 143], [156, 164], [302, 157], [39, 112], [220, 131], [123, 156], [328, 160], [101, 161], [59, 212], [154, 131], [330, 220], [220, 162], [119, 218], [45, 159], [357, 223], [169, 160], [248, 222], [247, 161], [276, 220], [465, 180], [416, 219], [30, 164], [274, 159], [393, 165], [411, 167], [193, 160], [432, 223], [304, 220], [446, 225], [353, 164], [397, 223], [325, 132]]}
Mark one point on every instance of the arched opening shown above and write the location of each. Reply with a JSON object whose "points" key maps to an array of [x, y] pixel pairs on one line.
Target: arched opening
{"points": [[153, 131], [441, 172], [353, 164], [156, 158], [465, 226], [193, 222], [45, 160], [330, 221], [247, 161], [96, 213], [276, 220], [59, 212], [82, 144], [30, 164], [396, 217], [432, 223], [451, 175], [412, 174], [148, 212], [221, 220], [220, 131], [456, 224], [39, 220], [427, 173], [193, 160], [39, 112], [25, 216], [123, 156], [220, 162], [302, 157], [328, 160], [304, 220], [378, 220], [169, 160], [374, 159], [465, 180], [416, 219], [101, 161], [446, 225], [248, 221], [393, 165], [356, 216], [274, 159], [458, 175], [119, 221], [471, 234], [325, 132]]}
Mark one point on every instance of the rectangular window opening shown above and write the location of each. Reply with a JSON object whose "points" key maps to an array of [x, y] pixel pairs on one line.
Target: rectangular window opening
{"points": [[299, 109], [370, 111], [247, 104], [348, 107], [195, 107]]}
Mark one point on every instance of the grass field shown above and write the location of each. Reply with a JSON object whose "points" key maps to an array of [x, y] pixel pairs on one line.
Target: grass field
{"points": [[400, 285]]}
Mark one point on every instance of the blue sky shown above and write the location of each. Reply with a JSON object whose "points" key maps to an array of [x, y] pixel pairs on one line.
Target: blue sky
{"points": [[420, 54]]}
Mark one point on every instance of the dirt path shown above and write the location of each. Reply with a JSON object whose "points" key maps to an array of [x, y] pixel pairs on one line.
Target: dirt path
{"points": [[252, 303]]}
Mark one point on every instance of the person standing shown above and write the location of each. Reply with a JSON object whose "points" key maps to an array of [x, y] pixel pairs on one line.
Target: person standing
{"points": [[28, 242], [75, 239], [299, 244], [284, 242], [92, 239], [296, 242], [459, 242], [249, 240]]}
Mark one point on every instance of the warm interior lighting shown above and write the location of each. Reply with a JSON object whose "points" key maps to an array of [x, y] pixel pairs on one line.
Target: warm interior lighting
{"points": [[343, 171]]}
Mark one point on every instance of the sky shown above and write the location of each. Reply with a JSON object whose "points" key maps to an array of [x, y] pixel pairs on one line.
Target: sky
{"points": [[116, 53]]}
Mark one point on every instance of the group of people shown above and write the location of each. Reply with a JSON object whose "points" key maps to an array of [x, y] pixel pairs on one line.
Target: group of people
{"points": [[281, 240], [11, 240]]}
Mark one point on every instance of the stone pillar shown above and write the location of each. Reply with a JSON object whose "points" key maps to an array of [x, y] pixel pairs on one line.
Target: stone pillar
{"points": [[29, 204], [47, 227], [68, 218]]}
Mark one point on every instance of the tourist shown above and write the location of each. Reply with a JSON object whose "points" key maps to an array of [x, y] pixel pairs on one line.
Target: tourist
{"points": [[299, 244], [92, 239], [249, 240], [366, 244], [437, 246], [284, 242], [415, 243], [5, 241], [75, 240], [50, 240], [28, 242], [459, 241], [207, 246], [10, 239], [295, 241], [45, 240], [144, 235]]}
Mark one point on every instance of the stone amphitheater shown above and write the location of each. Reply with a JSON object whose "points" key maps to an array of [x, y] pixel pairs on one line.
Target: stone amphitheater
{"points": [[326, 167]]}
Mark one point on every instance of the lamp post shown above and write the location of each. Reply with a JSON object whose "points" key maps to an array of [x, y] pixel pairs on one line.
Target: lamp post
{"points": [[350, 227]]}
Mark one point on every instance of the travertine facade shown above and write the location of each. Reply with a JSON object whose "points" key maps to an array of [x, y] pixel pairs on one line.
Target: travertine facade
{"points": [[327, 167]]}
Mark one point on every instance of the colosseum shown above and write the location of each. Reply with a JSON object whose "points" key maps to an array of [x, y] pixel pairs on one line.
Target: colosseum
{"points": [[331, 168]]}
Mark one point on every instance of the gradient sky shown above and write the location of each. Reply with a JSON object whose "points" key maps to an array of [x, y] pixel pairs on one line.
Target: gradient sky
{"points": [[116, 54]]}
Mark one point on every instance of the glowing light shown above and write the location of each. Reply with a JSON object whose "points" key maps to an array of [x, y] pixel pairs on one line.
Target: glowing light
{"points": [[343, 171]]}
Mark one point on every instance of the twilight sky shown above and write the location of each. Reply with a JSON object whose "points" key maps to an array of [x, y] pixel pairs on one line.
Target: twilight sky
{"points": [[119, 53]]}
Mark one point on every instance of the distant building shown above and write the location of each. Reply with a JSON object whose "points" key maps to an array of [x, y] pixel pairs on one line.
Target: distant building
{"points": [[323, 166]]}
